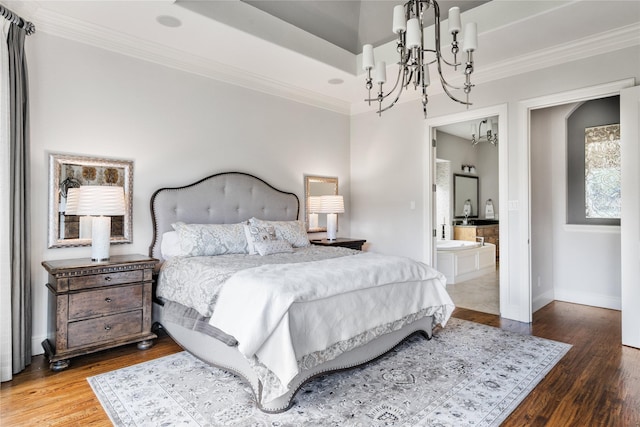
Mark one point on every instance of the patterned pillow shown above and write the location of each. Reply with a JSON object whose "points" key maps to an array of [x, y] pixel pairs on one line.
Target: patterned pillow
{"points": [[269, 247], [255, 234], [211, 239], [291, 231]]}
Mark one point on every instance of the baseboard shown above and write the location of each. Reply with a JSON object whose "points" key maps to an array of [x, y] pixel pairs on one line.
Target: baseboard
{"points": [[541, 300], [588, 298]]}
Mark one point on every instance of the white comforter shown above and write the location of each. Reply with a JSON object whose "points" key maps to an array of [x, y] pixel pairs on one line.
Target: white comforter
{"points": [[331, 301]]}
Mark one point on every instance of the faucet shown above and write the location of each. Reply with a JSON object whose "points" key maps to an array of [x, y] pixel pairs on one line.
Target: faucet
{"points": [[465, 221]]}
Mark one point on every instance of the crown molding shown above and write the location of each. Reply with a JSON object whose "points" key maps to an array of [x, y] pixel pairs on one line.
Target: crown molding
{"points": [[598, 44], [73, 29]]}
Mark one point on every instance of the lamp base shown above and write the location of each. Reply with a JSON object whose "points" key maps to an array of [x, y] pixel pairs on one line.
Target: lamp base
{"points": [[313, 221], [332, 226], [100, 238]]}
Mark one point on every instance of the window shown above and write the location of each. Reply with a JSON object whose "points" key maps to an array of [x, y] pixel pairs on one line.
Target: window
{"points": [[602, 171], [593, 163]]}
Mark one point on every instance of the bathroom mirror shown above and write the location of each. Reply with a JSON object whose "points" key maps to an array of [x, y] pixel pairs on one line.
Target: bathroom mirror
{"points": [[66, 171], [465, 192], [317, 186]]}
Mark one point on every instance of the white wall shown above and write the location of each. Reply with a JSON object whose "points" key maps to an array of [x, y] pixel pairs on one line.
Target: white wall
{"points": [[484, 157], [548, 130], [177, 127], [399, 137]]}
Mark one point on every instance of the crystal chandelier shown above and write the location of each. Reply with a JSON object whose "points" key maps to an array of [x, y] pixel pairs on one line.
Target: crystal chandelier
{"points": [[413, 65], [490, 136]]}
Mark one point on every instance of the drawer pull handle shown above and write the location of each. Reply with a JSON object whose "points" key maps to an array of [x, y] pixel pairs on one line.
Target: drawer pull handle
{"points": [[107, 299], [107, 327], [108, 278]]}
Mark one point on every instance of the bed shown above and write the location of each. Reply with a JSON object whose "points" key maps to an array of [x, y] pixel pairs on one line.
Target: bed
{"points": [[262, 302]]}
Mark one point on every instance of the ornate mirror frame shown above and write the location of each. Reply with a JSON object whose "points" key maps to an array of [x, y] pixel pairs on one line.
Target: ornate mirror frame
{"points": [[318, 186], [66, 171]]}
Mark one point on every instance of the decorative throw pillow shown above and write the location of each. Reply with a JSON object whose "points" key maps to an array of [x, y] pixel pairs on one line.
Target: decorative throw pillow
{"points": [[211, 239], [291, 231], [170, 245], [269, 247], [255, 234]]}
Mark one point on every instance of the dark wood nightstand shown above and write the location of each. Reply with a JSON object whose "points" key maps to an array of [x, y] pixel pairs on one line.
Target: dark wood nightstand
{"points": [[341, 241], [94, 306]]}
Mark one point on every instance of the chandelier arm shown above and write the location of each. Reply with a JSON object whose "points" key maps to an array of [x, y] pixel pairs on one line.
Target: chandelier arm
{"points": [[451, 64], [402, 86], [382, 110], [445, 85], [450, 95], [377, 98]]}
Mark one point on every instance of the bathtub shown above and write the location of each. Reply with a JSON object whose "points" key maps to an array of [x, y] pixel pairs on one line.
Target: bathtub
{"points": [[461, 260], [456, 245]]}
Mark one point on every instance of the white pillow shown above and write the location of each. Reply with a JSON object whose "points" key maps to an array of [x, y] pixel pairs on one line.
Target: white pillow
{"points": [[269, 247], [255, 234], [170, 245], [292, 231], [211, 239]]}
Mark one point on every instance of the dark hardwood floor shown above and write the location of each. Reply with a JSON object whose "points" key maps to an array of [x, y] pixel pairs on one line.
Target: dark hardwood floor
{"points": [[596, 384]]}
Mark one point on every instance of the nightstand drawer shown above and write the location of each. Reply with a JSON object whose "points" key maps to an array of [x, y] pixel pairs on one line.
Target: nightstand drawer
{"points": [[107, 328], [97, 280], [104, 301]]}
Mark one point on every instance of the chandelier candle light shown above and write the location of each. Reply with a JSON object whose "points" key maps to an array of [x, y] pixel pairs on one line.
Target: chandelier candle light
{"points": [[413, 65], [477, 136]]}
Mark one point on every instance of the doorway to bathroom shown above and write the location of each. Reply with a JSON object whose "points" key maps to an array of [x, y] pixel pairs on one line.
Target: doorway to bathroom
{"points": [[466, 206]]}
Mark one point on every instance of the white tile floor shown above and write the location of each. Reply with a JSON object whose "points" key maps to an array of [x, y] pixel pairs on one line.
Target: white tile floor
{"points": [[480, 294]]}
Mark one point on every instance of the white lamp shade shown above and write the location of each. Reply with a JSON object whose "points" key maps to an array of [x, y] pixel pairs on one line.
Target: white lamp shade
{"points": [[454, 20], [331, 204], [399, 21], [98, 200], [315, 202], [470, 37], [381, 72], [414, 35], [367, 57], [73, 195]]}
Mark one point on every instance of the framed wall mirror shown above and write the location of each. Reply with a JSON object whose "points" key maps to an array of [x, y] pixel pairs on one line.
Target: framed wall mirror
{"points": [[317, 186], [65, 172], [465, 196]]}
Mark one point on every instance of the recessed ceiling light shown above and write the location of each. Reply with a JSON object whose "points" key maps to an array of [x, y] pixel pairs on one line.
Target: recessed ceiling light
{"points": [[169, 21], [336, 81]]}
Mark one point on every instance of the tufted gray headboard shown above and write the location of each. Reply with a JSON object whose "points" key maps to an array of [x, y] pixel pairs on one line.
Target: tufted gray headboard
{"points": [[224, 198]]}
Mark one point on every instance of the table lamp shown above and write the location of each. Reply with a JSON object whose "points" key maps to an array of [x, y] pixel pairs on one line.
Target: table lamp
{"points": [[101, 202], [331, 205]]}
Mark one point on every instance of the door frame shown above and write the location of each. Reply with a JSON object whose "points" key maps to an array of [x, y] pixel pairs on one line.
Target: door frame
{"points": [[629, 224], [430, 220], [522, 285]]}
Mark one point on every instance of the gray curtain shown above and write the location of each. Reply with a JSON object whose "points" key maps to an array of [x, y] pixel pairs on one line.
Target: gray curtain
{"points": [[19, 211]]}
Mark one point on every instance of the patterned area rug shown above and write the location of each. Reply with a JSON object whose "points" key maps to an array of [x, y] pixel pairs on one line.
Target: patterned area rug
{"points": [[468, 375]]}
